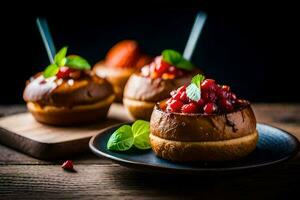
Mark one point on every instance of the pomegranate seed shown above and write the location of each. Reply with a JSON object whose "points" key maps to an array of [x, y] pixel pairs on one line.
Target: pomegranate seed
{"points": [[226, 88], [169, 100], [189, 108], [174, 106], [164, 64], [232, 96], [183, 97], [177, 95], [209, 96], [210, 108], [64, 72], [172, 70], [161, 66], [181, 89], [225, 105], [209, 84], [201, 103], [175, 71], [68, 165], [173, 92], [222, 94]]}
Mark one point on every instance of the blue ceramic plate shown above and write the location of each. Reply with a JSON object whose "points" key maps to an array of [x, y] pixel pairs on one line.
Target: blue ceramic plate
{"points": [[274, 146]]}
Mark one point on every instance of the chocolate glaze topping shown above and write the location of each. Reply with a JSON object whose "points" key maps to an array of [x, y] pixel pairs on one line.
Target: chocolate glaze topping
{"points": [[88, 88]]}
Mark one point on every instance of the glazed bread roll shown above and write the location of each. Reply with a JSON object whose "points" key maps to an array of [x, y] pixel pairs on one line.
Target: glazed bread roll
{"points": [[142, 93], [68, 101], [182, 137], [155, 81], [121, 61]]}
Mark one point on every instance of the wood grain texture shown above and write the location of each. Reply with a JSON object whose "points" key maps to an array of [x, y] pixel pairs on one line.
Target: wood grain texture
{"points": [[115, 182], [23, 177], [22, 132]]}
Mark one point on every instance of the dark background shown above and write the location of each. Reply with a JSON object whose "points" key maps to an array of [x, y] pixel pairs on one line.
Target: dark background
{"points": [[250, 47]]}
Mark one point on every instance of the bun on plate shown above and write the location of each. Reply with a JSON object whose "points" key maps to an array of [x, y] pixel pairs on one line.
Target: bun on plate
{"points": [[209, 129]]}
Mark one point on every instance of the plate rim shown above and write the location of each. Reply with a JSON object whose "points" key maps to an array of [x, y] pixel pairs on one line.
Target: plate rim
{"points": [[125, 162]]}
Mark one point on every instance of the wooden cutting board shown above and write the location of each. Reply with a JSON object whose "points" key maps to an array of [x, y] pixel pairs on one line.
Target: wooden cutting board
{"points": [[22, 132]]}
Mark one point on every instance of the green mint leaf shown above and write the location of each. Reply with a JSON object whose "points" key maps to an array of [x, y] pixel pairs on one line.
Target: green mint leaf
{"points": [[171, 56], [77, 62], [198, 79], [185, 64], [121, 139], [141, 131], [193, 92], [51, 70], [59, 58], [176, 59]]}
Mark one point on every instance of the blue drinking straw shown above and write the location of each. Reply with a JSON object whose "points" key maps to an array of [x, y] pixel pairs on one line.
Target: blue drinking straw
{"points": [[194, 35], [47, 38]]}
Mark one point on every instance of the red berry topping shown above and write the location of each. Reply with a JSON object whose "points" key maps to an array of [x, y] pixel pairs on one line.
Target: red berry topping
{"points": [[201, 103], [226, 105], [210, 108], [232, 96], [209, 84], [169, 101], [161, 69], [181, 89], [209, 96], [226, 88], [189, 108], [161, 66], [173, 92], [183, 97], [172, 70], [175, 71], [177, 94], [174, 106], [68, 165], [222, 93], [64, 72], [214, 99]]}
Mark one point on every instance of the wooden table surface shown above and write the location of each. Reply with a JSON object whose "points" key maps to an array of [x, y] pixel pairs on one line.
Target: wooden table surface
{"points": [[23, 177]]}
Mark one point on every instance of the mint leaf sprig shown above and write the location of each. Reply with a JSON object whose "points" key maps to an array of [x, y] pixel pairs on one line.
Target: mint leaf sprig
{"points": [[193, 91], [127, 136], [175, 58], [71, 61]]}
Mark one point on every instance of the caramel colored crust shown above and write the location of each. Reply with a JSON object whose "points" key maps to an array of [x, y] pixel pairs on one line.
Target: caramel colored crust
{"points": [[183, 127], [139, 109], [115, 75], [152, 90], [222, 150], [86, 90], [77, 115]]}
